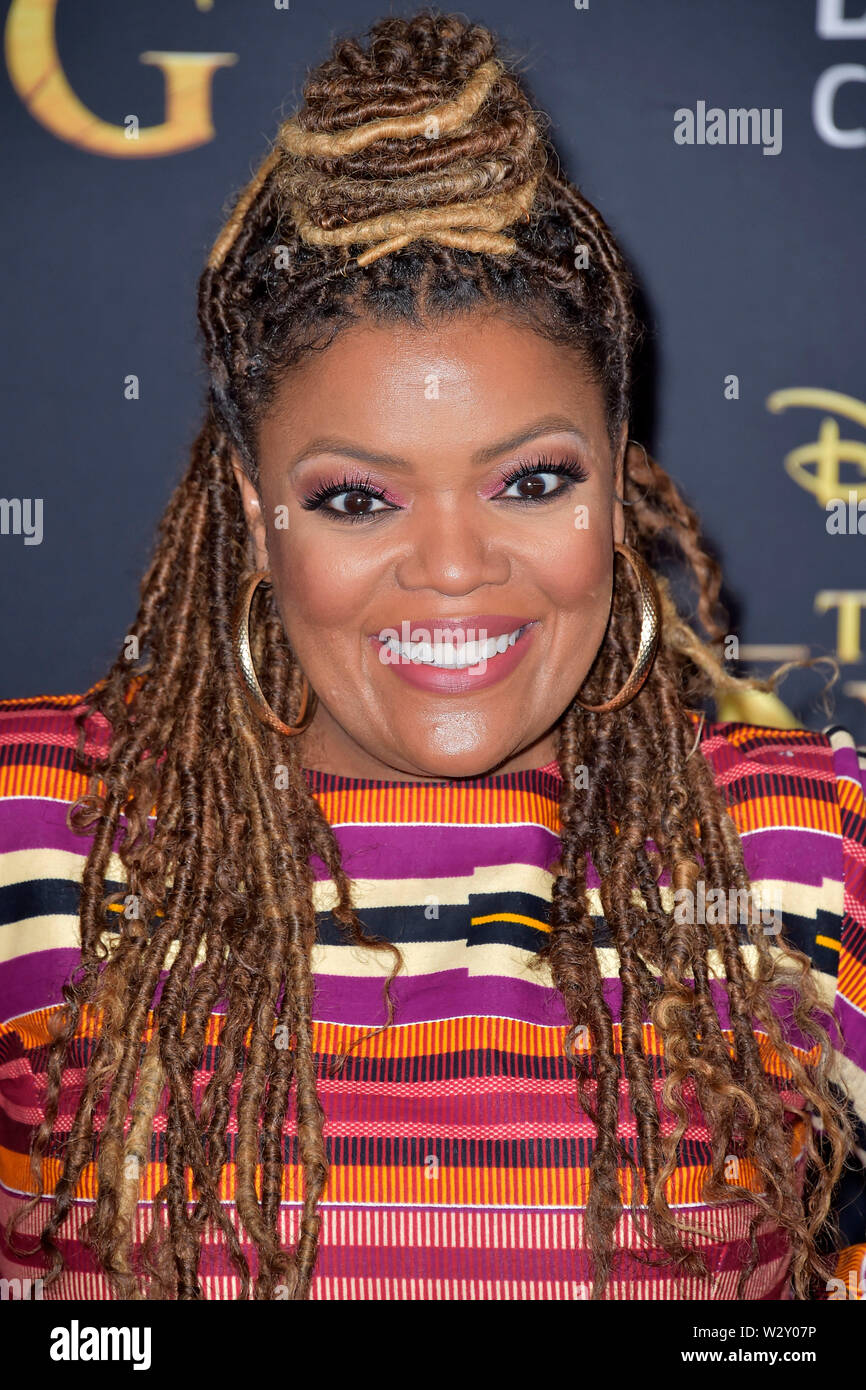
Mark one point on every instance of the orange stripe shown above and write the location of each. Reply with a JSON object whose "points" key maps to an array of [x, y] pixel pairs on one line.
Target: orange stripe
{"points": [[402, 1185], [49, 782], [771, 812], [433, 1039], [443, 804]]}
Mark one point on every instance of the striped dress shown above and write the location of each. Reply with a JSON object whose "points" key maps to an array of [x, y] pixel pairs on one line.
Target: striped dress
{"points": [[458, 1152]]}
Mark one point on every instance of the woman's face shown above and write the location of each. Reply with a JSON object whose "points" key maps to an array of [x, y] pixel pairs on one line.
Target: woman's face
{"points": [[398, 534]]}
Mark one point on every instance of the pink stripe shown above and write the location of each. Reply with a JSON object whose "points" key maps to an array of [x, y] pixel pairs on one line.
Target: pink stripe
{"points": [[407, 1252]]}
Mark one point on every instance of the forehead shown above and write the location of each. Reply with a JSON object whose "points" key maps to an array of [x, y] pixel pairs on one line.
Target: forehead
{"points": [[457, 383]]}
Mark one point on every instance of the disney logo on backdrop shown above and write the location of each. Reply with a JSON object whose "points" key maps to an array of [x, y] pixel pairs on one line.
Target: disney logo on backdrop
{"points": [[833, 470], [817, 466]]}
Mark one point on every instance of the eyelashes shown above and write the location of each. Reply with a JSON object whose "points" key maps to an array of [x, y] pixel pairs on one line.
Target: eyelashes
{"points": [[571, 471], [323, 492]]}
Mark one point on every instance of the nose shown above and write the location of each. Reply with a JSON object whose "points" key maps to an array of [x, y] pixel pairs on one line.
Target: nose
{"points": [[454, 550]]}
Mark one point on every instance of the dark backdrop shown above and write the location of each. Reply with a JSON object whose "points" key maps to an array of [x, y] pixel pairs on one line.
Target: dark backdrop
{"points": [[750, 264]]}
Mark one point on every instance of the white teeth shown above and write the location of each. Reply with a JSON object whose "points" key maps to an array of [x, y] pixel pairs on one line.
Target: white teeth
{"points": [[453, 656]]}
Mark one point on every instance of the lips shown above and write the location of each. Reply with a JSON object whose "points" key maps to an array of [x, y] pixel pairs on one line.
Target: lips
{"points": [[446, 679]]}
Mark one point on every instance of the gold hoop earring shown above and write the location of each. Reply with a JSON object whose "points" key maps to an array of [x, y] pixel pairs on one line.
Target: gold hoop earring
{"points": [[650, 626], [247, 671]]}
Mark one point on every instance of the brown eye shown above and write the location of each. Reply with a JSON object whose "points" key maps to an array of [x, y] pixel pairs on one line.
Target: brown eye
{"points": [[355, 503], [542, 479], [533, 485], [540, 485], [346, 500]]}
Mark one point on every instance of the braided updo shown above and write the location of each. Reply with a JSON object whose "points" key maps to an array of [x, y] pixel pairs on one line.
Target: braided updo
{"points": [[416, 180], [422, 140]]}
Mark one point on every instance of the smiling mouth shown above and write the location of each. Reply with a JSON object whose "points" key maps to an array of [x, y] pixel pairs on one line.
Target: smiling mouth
{"points": [[445, 654]]}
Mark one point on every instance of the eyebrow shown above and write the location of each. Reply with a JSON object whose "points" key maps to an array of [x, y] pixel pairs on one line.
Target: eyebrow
{"points": [[548, 424]]}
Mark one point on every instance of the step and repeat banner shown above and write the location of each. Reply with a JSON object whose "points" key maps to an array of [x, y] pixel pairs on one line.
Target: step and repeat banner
{"points": [[723, 140]]}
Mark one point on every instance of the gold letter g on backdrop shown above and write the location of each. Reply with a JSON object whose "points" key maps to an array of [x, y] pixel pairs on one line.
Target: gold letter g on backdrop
{"points": [[36, 74]]}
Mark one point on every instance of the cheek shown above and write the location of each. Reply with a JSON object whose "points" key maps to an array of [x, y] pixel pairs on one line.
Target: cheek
{"points": [[574, 570], [324, 584]]}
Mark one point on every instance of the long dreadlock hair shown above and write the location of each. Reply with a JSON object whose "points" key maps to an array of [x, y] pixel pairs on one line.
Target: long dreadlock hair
{"points": [[435, 196]]}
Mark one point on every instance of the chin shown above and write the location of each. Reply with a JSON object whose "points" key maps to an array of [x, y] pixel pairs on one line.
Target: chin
{"points": [[472, 764]]}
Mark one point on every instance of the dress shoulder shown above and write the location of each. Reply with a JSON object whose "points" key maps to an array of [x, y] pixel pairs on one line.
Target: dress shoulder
{"points": [[38, 739], [41, 856], [798, 799]]}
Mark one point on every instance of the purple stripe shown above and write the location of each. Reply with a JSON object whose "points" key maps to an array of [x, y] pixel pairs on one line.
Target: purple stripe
{"points": [[853, 1025], [848, 765], [783, 1007], [39, 822], [799, 856], [390, 851], [455, 994], [441, 994], [436, 851], [35, 981], [384, 851]]}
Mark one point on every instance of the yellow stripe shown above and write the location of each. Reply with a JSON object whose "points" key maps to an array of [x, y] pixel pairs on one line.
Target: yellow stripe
{"points": [[510, 917], [828, 941]]}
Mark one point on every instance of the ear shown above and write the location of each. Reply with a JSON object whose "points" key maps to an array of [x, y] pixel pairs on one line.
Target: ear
{"points": [[252, 505], [618, 516]]}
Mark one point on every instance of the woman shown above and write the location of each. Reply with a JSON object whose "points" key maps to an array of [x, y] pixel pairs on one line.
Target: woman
{"points": [[432, 944]]}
